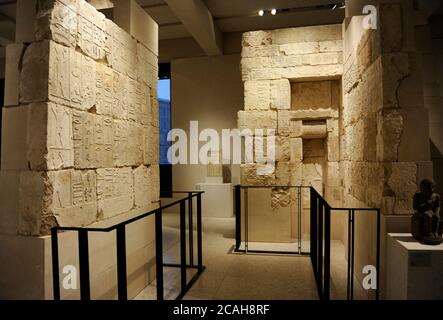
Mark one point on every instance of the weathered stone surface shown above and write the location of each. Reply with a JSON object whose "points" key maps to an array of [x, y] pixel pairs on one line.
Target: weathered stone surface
{"points": [[281, 94], [83, 82], [333, 149], [395, 68], [331, 46], [310, 72], [283, 174], [300, 48], [327, 58], [296, 173], [128, 144], [151, 145], [105, 91], [94, 138], [307, 34], [14, 53], [257, 120], [314, 148], [58, 21], [260, 51], [257, 95], [296, 149], [333, 174], [280, 198], [256, 38], [50, 143], [311, 95], [154, 174], [388, 138], [257, 175], [314, 130], [142, 187], [35, 73], [115, 191], [283, 149], [296, 128], [74, 197], [59, 74], [401, 183], [14, 138], [284, 122]]}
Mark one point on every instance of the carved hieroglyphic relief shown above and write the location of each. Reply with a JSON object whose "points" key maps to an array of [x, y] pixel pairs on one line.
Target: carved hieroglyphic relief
{"points": [[142, 187], [114, 191], [105, 90], [59, 73], [93, 140], [83, 81]]}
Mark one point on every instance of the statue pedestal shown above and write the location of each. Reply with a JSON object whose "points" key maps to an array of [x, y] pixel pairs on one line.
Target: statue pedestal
{"points": [[217, 200], [414, 270]]}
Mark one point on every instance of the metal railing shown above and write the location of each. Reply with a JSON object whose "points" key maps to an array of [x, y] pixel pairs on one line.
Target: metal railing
{"points": [[320, 236], [120, 228]]}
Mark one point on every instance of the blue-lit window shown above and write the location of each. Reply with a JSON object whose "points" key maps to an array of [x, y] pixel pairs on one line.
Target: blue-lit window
{"points": [[164, 104]]}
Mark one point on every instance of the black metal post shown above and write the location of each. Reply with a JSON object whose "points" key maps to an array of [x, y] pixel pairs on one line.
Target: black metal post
{"points": [[159, 254], [313, 228], [246, 220], [320, 248], [121, 264], [183, 245], [191, 230], [327, 274], [199, 233], [237, 217], [353, 255], [55, 266], [377, 291], [83, 247], [348, 291]]}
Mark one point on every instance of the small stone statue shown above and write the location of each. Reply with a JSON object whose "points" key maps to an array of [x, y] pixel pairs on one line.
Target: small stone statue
{"points": [[426, 227]]}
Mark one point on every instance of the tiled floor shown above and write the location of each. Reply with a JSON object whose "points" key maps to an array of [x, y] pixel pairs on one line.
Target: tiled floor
{"points": [[235, 276]]}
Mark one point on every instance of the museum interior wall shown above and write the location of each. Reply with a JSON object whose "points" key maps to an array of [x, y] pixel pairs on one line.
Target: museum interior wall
{"points": [[212, 101], [79, 144]]}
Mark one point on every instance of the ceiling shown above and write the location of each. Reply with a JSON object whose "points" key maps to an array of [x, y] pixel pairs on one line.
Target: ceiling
{"points": [[229, 16]]}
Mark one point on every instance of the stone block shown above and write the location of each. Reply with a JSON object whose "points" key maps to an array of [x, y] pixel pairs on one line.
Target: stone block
{"points": [[151, 145], [265, 148], [296, 173], [301, 48], [74, 197], [105, 91], [284, 122], [333, 149], [411, 89], [9, 201], [14, 54], [314, 130], [314, 148], [314, 114], [283, 149], [256, 38], [326, 58], [257, 120], [34, 74], [309, 73], [128, 144], [94, 138], [281, 94], [115, 191], [331, 46], [389, 135], [414, 144], [256, 63], [283, 61], [58, 21], [50, 144], [283, 174], [83, 82], [14, 137], [311, 95], [296, 128], [58, 85], [333, 174], [260, 51], [332, 127], [154, 174], [34, 215], [257, 175], [401, 183], [395, 68], [307, 34], [257, 95], [142, 187], [296, 149]]}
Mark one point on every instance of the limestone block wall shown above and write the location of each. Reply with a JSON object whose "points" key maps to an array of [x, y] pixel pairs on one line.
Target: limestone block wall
{"points": [[385, 129], [80, 126], [291, 81]]}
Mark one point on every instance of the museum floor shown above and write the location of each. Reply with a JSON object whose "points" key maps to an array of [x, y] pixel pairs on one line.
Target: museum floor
{"points": [[231, 276]]}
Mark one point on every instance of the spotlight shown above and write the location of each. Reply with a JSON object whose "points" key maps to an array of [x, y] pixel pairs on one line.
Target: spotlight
{"points": [[334, 7], [343, 5], [274, 12], [261, 13]]}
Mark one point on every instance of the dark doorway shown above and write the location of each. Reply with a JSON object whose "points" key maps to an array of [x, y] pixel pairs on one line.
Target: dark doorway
{"points": [[164, 103], [2, 100]]}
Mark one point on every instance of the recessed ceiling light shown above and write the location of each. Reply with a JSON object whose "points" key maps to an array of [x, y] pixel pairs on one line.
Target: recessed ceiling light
{"points": [[261, 13], [334, 7], [274, 12]]}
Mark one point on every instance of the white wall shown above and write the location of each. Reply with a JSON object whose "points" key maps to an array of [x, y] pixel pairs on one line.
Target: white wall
{"points": [[210, 90]]}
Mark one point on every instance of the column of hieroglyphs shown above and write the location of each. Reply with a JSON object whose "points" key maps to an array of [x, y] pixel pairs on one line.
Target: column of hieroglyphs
{"points": [[80, 124]]}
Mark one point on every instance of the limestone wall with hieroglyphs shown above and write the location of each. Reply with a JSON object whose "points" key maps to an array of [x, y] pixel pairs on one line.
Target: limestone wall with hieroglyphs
{"points": [[81, 123]]}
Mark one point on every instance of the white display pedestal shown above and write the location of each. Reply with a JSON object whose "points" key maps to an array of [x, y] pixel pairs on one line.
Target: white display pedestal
{"points": [[414, 270], [217, 201]]}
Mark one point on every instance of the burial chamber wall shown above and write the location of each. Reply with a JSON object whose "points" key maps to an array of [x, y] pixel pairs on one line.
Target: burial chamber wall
{"points": [[80, 127]]}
